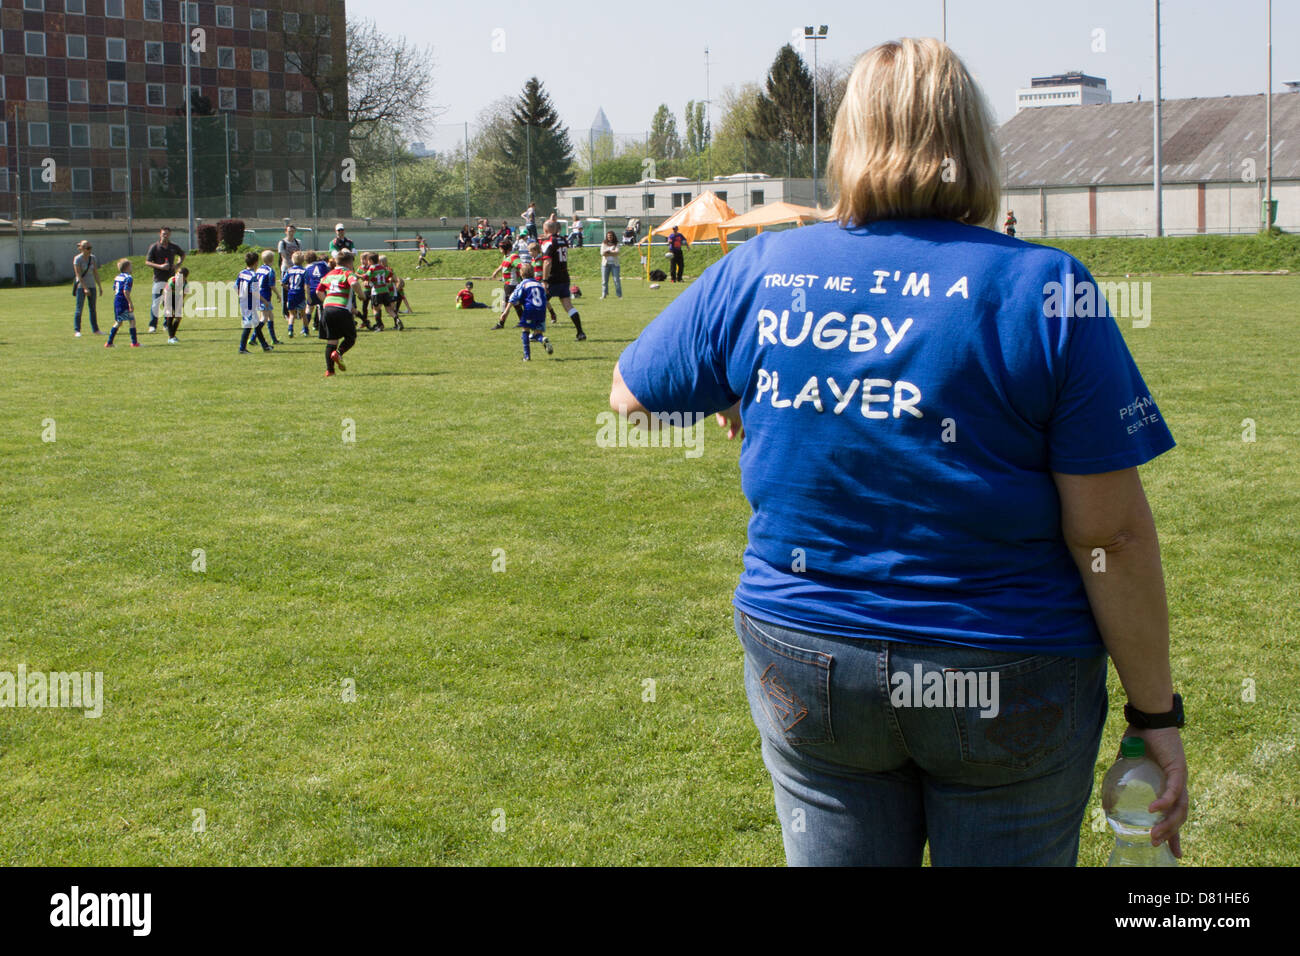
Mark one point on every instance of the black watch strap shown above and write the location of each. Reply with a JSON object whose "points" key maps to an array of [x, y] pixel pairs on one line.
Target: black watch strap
{"points": [[1144, 721]]}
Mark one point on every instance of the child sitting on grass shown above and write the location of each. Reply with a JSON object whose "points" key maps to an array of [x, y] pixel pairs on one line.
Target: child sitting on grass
{"points": [[465, 298]]}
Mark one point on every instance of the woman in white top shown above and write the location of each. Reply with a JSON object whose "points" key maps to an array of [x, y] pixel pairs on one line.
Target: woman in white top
{"points": [[85, 267], [609, 250]]}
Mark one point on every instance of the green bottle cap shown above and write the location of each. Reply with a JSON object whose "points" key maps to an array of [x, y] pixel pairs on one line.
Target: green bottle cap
{"points": [[1133, 747]]}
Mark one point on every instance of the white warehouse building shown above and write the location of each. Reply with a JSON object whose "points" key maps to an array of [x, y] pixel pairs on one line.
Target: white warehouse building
{"points": [[660, 198], [1087, 170], [1063, 89]]}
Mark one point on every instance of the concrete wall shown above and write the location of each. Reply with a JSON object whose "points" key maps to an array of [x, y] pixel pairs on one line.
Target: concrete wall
{"points": [[1128, 210], [629, 197]]}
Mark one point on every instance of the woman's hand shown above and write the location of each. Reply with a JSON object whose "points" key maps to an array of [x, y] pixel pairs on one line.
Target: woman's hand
{"points": [[730, 420], [1165, 747]]}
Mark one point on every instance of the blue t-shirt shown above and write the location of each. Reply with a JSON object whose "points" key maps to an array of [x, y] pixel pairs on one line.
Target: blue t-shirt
{"points": [[531, 294], [265, 283], [907, 388], [314, 272], [121, 286], [245, 290], [293, 282]]}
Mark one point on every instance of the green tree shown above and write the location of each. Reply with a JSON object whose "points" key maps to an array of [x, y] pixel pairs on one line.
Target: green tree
{"points": [[533, 155], [782, 131], [664, 141]]}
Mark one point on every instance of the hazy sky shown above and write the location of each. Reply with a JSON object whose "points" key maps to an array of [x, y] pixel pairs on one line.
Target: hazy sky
{"points": [[630, 57]]}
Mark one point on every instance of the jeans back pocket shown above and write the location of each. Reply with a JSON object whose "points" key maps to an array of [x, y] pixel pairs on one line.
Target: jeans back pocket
{"points": [[1034, 718], [790, 684]]}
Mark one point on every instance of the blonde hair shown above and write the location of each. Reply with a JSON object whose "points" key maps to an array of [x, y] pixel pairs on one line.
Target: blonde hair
{"points": [[297, 258], [914, 138], [268, 257]]}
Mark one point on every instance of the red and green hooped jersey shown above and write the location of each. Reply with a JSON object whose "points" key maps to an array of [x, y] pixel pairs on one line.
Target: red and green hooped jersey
{"points": [[510, 267], [337, 286], [381, 279]]}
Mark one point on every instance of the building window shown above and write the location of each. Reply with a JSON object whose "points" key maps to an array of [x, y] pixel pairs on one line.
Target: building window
{"points": [[37, 179], [37, 90], [328, 99], [292, 23], [225, 57], [262, 100], [756, 197], [155, 94], [117, 94], [34, 43], [293, 102], [153, 9], [153, 52], [722, 195], [117, 137], [577, 204], [293, 139], [121, 180], [680, 200], [193, 14], [260, 60], [157, 177], [325, 63], [157, 137], [257, 19], [297, 183], [81, 180], [115, 49], [113, 8], [76, 46], [225, 16], [38, 134], [292, 62], [611, 203], [4, 180], [79, 134], [78, 91], [226, 98], [33, 4], [322, 24], [75, 6], [649, 200], [262, 140], [265, 182], [196, 58]]}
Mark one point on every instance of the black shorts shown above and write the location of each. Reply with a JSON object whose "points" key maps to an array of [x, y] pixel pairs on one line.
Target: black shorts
{"points": [[338, 323], [381, 299], [509, 291], [559, 290]]}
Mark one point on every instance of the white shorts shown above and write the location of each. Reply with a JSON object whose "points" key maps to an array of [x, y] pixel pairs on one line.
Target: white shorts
{"points": [[250, 320]]}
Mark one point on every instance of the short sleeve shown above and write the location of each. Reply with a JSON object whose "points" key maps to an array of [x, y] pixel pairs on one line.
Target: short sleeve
{"points": [[1105, 417], [676, 364]]}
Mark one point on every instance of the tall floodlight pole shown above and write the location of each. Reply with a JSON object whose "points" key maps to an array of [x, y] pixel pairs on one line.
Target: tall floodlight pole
{"points": [[528, 182], [944, 5], [1268, 129], [1156, 175], [809, 34], [467, 173], [189, 138]]}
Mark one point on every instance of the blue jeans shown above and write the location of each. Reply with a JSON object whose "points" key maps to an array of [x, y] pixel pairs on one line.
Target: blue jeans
{"points": [[85, 296], [608, 269], [861, 779]]}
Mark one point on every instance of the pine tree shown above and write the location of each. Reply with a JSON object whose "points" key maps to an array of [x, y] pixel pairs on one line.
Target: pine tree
{"points": [[782, 134], [534, 149]]}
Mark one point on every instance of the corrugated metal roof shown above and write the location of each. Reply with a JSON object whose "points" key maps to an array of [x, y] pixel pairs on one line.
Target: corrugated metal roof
{"points": [[1205, 140]]}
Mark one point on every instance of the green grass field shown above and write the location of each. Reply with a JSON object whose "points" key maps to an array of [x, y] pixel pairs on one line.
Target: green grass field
{"points": [[513, 697]]}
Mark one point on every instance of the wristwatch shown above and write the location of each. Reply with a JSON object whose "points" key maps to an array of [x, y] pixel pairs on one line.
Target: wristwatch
{"points": [[1145, 721]]}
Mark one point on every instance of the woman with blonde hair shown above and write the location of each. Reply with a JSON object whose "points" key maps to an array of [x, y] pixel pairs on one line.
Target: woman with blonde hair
{"points": [[942, 427]]}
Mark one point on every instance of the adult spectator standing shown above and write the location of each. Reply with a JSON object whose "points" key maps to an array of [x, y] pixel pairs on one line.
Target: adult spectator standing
{"points": [[609, 250], [575, 232], [340, 242], [164, 257], [676, 242], [923, 554], [87, 287], [530, 221], [286, 247]]}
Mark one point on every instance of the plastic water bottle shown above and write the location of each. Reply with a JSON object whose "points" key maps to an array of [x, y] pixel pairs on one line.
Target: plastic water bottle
{"points": [[1131, 784]]}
